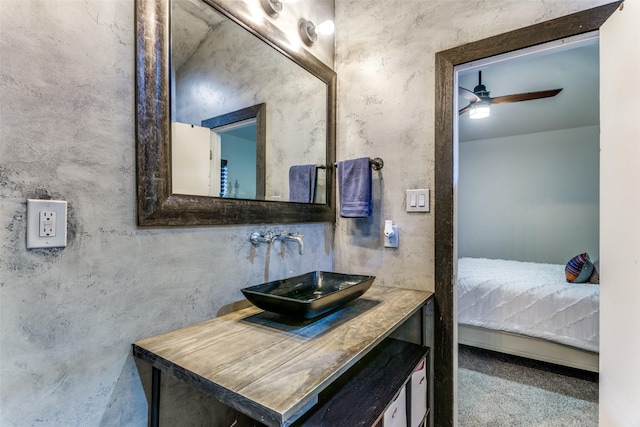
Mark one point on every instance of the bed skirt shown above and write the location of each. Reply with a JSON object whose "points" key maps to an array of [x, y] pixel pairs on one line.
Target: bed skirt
{"points": [[529, 347]]}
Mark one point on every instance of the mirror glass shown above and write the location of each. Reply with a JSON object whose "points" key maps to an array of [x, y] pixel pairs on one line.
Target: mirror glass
{"points": [[242, 113]]}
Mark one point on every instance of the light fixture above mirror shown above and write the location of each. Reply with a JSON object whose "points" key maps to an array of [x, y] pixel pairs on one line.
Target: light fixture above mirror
{"points": [[310, 32], [274, 7]]}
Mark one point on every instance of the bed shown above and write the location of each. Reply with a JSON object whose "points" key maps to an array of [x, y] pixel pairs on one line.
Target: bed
{"points": [[530, 310]]}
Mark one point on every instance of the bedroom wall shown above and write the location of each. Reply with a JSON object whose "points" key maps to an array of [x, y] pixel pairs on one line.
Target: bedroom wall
{"points": [[530, 197]]}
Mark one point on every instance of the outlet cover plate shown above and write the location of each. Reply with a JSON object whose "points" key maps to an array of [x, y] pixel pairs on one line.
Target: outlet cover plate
{"points": [[58, 239]]}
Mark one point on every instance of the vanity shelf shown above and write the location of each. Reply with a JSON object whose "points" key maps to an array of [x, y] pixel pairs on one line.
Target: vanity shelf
{"points": [[361, 395]]}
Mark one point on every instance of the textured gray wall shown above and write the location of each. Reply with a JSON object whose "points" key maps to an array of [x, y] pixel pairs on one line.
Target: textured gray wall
{"points": [[69, 315], [385, 58]]}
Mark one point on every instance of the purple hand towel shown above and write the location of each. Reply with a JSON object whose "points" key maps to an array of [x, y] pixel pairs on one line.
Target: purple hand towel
{"points": [[302, 183], [354, 181]]}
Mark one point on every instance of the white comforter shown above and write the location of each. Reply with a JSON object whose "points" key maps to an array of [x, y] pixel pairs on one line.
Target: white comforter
{"points": [[530, 299]]}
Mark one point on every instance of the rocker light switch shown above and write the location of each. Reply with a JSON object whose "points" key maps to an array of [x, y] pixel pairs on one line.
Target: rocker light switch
{"points": [[418, 200]]}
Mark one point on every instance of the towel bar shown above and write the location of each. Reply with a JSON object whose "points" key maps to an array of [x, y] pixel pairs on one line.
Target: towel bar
{"points": [[376, 164]]}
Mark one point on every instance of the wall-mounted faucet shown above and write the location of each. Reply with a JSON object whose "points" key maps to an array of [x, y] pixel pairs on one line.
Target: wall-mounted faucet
{"points": [[268, 238], [297, 237]]}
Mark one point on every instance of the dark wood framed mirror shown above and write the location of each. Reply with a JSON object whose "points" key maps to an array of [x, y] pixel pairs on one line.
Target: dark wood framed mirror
{"points": [[157, 204]]}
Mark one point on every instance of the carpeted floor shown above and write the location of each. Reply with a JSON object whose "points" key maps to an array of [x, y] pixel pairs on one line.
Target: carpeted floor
{"points": [[501, 390]]}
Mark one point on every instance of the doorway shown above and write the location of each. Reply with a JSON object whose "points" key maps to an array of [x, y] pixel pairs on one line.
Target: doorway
{"points": [[527, 200], [445, 333], [236, 158]]}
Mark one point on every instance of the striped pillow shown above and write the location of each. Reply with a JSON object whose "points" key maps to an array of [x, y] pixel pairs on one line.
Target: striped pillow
{"points": [[578, 269]]}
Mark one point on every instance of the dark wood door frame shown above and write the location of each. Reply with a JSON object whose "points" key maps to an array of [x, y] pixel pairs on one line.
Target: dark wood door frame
{"points": [[544, 32]]}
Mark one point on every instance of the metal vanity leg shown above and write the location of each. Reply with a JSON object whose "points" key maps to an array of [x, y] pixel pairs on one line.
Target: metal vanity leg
{"points": [[154, 410], [423, 319]]}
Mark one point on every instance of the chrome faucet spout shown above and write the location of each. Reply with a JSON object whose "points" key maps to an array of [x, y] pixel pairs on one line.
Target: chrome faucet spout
{"points": [[297, 237]]}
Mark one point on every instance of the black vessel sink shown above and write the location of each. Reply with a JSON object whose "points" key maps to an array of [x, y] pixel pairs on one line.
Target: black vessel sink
{"points": [[309, 295]]}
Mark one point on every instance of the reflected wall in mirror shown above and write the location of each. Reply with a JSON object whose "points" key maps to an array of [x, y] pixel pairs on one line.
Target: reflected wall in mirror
{"points": [[299, 119], [218, 67]]}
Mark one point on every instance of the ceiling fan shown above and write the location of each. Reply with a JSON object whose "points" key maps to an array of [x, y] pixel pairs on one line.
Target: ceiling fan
{"points": [[480, 101]]}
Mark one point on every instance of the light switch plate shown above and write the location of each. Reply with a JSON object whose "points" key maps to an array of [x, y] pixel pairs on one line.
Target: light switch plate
{"points": [[418, 200], [46, 223]]}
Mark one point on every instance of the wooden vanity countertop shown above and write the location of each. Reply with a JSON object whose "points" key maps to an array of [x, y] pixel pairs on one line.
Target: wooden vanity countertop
{"points": [[268, 366]]}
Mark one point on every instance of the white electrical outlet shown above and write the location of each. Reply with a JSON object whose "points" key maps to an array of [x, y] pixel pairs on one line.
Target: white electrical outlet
{"points": [[46, 223]]}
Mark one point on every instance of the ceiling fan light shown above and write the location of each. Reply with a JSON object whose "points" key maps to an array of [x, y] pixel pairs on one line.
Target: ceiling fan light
{"points": [[480, 110]]}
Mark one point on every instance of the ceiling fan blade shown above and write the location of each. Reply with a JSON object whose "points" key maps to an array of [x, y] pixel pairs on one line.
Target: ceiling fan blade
{"points": [[525, 96], [468, 95], [465, 109]]}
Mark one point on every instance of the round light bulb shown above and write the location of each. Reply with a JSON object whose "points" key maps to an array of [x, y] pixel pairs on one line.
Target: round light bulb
{"points": [[326, 28]]}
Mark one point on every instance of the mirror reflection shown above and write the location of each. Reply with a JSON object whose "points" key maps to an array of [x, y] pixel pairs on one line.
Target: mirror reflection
{"points": [[246, 120], [238, 149]]}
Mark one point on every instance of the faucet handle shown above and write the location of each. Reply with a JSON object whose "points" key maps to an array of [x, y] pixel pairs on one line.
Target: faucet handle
{"points": [[257, 238]]}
